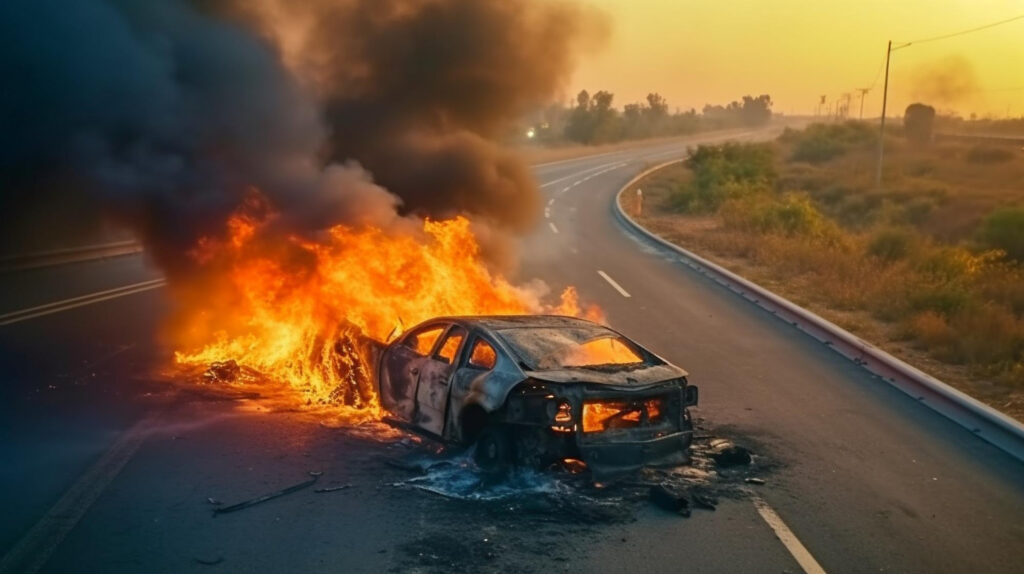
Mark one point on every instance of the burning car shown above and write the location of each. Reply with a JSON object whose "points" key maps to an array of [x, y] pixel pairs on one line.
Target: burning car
{"points": [[536, 389]]}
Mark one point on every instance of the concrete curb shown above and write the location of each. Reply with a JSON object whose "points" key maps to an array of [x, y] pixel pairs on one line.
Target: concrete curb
{"points": [[989, 424]]}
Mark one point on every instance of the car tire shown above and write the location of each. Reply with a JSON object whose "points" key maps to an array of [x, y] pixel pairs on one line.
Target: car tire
{"points": [[493, 452]]}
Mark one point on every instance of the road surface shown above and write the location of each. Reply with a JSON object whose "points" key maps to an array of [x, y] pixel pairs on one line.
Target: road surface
{"points": [[103, 472]]}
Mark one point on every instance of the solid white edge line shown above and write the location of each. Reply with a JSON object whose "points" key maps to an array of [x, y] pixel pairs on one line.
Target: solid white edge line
{"points": [[612, 282], [788, 539], [96, 298], [11, 314], [553, 228]]}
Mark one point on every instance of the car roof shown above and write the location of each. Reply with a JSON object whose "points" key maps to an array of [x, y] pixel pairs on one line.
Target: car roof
{"points": [[501, 322]]}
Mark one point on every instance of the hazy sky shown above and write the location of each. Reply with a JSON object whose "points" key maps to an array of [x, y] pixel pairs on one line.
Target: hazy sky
{"points": [[694, 52]]}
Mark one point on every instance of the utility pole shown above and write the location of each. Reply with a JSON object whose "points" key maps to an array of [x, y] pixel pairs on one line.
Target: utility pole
{"points": [[862, 91], [881, 131]]}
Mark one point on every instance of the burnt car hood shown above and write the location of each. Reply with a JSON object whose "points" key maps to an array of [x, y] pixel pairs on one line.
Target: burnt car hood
{"points": [[619, 378]]}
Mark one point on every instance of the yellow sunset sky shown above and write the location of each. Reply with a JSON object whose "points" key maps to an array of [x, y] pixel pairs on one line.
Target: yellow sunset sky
{"points": [[696, 52]]}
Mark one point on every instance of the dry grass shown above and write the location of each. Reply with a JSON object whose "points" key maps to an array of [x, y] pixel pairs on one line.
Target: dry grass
{"points": [[901, 266]]}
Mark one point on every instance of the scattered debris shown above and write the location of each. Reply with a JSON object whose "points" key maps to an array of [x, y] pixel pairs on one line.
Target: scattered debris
{"points": [[333, 488], [253, 502], [725, 453], [567, 492], [705, 502], [671, 499], [222, 372]]}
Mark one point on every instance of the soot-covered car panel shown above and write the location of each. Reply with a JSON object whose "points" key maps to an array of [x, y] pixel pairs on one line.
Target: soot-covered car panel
{"points": [[535, 389]]}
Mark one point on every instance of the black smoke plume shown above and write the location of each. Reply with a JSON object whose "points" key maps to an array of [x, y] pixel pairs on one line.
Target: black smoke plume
{"points": [[166, 114]]}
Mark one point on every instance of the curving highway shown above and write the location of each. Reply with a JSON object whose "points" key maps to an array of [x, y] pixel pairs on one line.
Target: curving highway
{"points": [[860, 477]]}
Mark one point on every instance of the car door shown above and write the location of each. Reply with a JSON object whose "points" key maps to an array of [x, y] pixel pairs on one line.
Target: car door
{"points": [[434, 381], [401, 367]]}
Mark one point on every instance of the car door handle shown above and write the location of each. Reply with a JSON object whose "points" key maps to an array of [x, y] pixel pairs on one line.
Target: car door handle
{"points": [[414, 371]]}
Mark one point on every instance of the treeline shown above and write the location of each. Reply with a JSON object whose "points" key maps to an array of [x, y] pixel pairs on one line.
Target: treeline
{"points": [[594, 119], [956, 124]]}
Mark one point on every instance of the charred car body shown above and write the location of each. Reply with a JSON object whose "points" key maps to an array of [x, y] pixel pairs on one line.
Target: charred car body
{"points": [[536, 389]]}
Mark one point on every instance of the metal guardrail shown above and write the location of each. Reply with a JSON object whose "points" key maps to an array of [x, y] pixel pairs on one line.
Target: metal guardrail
{"points": [[38, 259], [987, 423]]}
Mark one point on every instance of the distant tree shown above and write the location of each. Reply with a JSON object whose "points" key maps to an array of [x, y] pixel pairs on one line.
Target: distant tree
{"points": [[579, 127], [756, 111], [657, 107], [918, 122], [605, 118]]}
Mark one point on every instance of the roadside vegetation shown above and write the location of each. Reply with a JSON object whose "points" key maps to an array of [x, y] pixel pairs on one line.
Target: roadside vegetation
{"points": [[593, 119], [930, 265]]}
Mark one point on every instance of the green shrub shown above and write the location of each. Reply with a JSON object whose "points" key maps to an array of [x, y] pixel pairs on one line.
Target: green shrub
{"points": [[822, 142], [791, 215], [892, 244], [983, 153], [916, 211], [743, 162], [725, 172], [1004, 229], [943, 298]]}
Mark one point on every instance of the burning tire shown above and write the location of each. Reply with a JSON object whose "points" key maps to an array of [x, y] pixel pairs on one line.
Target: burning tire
{"points": [[493, 453]]}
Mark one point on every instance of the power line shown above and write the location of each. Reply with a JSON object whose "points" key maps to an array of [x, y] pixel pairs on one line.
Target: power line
{"points": [[878, 74], [960, 33], [885, 91]]}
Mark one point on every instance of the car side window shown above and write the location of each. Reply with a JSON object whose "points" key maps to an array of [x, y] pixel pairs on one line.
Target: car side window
{"points": [[422, 341], [450, 347], [482, 355]]}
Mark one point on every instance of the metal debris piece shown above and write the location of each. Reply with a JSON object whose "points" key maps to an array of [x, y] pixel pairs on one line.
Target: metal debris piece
{"points": [[253, 502], [333, 488], [209, 562], [213, 501], [222, 372], [725, 453], [705, 502], [754, 480], [670, 499]]}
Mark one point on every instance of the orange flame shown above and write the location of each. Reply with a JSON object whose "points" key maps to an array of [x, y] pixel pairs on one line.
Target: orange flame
{"points": [[600, 416], [298, 311]]}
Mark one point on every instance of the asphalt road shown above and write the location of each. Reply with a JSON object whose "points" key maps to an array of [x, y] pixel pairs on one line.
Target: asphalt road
{"points": [[104, 471]]}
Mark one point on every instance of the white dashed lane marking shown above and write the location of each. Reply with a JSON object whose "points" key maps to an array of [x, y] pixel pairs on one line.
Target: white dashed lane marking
{"points": [[553, 228], [612, 282], [788, 539]]}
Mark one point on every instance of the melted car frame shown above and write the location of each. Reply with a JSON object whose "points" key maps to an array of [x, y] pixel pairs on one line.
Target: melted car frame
{"points": [[482, 379]]}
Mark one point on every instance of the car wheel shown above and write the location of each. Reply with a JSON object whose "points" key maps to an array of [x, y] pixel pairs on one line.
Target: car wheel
{"points": [[493, 451]]}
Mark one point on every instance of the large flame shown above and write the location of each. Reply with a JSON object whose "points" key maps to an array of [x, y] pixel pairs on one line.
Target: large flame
{"points": [[298, 311]]}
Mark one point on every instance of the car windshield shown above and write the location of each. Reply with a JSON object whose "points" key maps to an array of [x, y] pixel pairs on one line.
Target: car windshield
{"points": [[543, 349]]}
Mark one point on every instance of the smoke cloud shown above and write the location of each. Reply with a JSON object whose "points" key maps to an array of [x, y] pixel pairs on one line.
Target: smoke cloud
{"points": [[947, 81], [169, 113]]}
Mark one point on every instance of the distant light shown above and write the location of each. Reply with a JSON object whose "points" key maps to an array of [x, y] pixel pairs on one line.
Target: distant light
{"points": [[530, 133]]}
